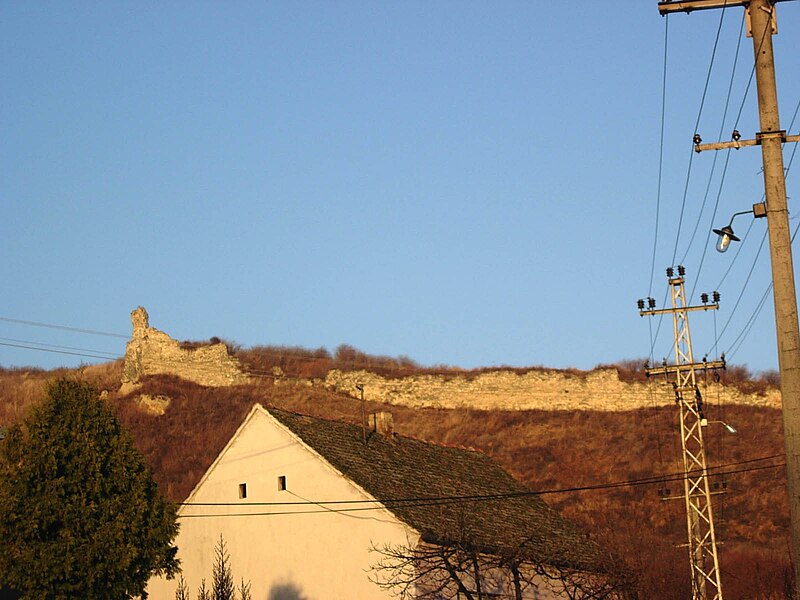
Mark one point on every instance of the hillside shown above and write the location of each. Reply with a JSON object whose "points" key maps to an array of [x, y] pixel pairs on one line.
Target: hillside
{"points": [[550, 450]]}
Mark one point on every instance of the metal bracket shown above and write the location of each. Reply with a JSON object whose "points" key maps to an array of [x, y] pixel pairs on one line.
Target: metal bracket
{"points": [[736, 144]]}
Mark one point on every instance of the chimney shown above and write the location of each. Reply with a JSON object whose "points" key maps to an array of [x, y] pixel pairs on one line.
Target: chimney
{"points": [[383, 423]]}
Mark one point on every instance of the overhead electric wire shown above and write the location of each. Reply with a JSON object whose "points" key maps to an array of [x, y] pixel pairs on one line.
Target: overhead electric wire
{"points": [[652, 414], [59, 351], [736, 255], [43, 346], [63, 327], [654, 338], [749, 324], [744, 285], [445, 500], [660, 156], [696, 126], [678, 475], [714, 162], [756, 312], [739, 340], [767, 27]]}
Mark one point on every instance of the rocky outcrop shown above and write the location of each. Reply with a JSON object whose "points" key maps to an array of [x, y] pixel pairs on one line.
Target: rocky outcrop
{"points": [[536, 390], [153, 352]]}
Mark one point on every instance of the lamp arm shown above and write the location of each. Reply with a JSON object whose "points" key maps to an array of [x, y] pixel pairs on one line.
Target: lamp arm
{"points": [[744, 212]]}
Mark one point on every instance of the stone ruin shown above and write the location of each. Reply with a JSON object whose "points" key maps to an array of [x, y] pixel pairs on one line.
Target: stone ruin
{"points": [[153, 352]]}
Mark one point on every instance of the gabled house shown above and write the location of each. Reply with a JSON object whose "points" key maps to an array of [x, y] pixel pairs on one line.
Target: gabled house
{"points": [[307, 508]]}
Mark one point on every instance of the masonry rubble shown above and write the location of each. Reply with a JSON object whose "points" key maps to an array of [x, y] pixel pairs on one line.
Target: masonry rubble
{"points": [[544, 389], [153, 352]]}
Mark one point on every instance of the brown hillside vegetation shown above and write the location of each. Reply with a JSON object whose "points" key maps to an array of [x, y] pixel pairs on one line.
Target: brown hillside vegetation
{"points": [[554, 452]]}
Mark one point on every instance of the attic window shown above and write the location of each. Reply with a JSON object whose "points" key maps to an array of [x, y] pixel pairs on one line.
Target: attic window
{"points": [[242, 490], [282, 483]]}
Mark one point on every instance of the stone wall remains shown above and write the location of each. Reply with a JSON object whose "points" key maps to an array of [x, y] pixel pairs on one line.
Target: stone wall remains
{"points": [[153, 352], [536, 390]]}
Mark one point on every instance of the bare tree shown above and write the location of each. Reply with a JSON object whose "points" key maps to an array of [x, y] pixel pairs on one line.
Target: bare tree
{"points": [[461, 569]]}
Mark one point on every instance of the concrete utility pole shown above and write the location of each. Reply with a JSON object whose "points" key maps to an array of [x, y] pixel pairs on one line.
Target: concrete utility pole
{"points": [[761, 15], [703, 557]]}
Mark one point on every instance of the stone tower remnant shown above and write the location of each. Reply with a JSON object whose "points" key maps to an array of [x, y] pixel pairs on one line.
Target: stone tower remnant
{"points": [[153, 352]]}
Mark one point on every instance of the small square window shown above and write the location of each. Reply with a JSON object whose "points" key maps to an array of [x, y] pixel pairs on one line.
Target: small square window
{"points": [[242, 490], [282, 483]]}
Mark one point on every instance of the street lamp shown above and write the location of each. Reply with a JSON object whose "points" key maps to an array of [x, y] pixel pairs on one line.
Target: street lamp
{"points": [[726, 235], [705, 423]]}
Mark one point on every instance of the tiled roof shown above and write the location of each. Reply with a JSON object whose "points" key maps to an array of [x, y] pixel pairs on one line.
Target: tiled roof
{"points": [[400, 468]]}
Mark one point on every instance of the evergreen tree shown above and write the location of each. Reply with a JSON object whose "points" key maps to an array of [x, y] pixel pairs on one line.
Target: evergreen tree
{"points": [[222, 587], [80, 514], [202, 593], [244, 591], [182, 592]]}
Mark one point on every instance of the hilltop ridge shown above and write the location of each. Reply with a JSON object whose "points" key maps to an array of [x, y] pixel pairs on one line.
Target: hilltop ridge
{"points": [[402, 382]]}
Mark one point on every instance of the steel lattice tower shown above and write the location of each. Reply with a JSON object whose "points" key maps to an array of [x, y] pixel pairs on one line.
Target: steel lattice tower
{"points": [[703, 558]]}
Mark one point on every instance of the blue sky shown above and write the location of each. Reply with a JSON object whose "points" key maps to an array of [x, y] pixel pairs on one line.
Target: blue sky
{"points": [[462, 183]]}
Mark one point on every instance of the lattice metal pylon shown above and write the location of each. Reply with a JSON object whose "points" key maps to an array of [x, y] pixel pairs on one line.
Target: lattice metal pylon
{"points": [[703, 558]]}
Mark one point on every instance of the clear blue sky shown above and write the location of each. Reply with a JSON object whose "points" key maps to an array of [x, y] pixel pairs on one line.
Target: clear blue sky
{"points": [[464, 183]]}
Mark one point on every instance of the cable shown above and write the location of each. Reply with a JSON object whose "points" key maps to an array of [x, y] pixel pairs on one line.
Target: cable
{"points": [[660, 161], [744, 285], [63, 327], [751, 321], [59, 351], [445, 500], [714, 163], [739, 340], [753, 71], [678, 475], [696, 126], [56, 346]]}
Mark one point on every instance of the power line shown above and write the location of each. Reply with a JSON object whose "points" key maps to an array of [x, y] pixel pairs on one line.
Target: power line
{"points": [[660, 158], [714, 164], [446, 500], [63, 327], [639, 481], [59, 351], [59, 347], [739, 340], [696, 126]]}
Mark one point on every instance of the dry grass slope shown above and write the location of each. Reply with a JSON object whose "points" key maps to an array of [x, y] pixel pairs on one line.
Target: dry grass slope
{"points": [[549, 450]]}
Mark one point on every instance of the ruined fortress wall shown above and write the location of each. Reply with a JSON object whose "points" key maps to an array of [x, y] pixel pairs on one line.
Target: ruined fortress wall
{"points": [[153, 352], [535, 390]]}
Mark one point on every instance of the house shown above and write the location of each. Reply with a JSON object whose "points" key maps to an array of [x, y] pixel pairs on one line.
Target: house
{"points": [[308, 508]]}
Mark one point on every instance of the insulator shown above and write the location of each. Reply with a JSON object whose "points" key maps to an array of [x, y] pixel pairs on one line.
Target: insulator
{"points": [[670, 272], [681, 270], [704, 298], [736, 135], [651, 302], [716, 296], [697, 139], [640, 304]]}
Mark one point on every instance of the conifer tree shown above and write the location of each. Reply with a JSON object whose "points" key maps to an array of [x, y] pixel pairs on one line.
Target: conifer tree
{"points": [[202, 592], [80, 514], [222, 586], [182, 591], [244, 591]]}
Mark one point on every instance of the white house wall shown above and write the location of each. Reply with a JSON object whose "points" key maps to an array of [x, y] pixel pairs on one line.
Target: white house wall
{"points": [[286, 552]]}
